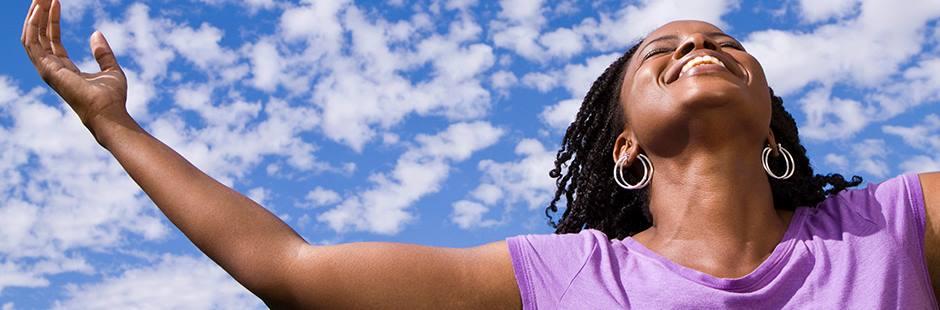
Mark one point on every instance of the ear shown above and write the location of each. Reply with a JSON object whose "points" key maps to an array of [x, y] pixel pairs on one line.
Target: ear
{"points": [[773, 143], [626, 145]]}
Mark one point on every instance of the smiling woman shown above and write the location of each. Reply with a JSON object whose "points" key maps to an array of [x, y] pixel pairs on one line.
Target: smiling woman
{"points": [[682, 173]]}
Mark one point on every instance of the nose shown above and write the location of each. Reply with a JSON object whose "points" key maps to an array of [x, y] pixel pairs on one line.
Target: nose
{"points": [[693, 42]]}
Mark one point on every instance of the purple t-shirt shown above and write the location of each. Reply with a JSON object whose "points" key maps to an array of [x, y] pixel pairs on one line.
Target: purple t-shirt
{"points": [[860, 249]]}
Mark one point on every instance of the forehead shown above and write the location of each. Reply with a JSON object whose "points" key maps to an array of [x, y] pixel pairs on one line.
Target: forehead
{"points": [[680, 28]]}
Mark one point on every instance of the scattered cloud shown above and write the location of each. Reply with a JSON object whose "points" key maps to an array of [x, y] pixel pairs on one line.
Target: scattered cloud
{"points": [[817, 11], [322, 197], [173, 282], [469, 214], [840, 53], [924, 137], [508, 183], [45, 170], [386, 206], [577, 79]]}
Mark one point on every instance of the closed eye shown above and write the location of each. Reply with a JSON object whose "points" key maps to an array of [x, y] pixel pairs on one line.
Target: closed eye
{"points": [[732, 45], [657, 51]]}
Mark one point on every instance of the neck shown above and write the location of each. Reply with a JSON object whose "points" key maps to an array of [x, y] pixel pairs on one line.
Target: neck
{"points": [[713, 211]]}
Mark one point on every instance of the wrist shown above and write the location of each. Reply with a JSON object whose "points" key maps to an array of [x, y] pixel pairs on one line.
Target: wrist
{"points": [[106, 129]]}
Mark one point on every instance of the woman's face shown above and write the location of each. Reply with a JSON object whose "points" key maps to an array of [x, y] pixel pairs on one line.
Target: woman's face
{"points": [[689, 80]]}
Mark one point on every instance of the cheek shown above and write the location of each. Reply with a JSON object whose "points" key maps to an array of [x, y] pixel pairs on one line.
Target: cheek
{"points": [[755, 73], [645, 86], [757, 85]]}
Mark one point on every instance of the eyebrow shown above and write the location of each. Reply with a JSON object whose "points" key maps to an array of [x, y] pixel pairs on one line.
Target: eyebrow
{"points": [[675, 37]]}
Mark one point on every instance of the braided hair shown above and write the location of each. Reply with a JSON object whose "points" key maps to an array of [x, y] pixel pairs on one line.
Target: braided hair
{"points": [[583, 169]]}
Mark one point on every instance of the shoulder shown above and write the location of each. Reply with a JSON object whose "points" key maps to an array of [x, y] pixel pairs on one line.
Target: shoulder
{"points": [[892, 209], [556, 250], [545, 264], [892, 199]]}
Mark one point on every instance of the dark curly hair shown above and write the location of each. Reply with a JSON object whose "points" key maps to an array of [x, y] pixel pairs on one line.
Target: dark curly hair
{"points": [[594, 201]]}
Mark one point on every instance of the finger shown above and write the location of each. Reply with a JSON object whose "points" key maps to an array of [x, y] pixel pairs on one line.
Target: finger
{"points": [[55, 35], [54, 30], [33, 48], [43, 23], [103, 53], [26, 21]]}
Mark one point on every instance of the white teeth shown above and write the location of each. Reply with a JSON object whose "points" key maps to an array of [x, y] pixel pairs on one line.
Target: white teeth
{"points": [[700, 60]]}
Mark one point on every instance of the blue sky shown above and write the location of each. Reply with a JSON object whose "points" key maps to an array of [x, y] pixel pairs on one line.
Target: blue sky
{"points": [[429, 122]]}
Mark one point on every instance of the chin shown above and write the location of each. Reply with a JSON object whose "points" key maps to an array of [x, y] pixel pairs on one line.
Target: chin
{"points": [[710, 92]]}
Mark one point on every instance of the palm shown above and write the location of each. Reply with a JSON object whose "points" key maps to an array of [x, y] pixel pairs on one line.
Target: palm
{"points": [[89, 94]]}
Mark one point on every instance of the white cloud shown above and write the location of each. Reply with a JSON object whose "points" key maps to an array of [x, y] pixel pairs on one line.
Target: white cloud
{"points": [[919, 84], [632, 22], [520, 23], [266, 66], [237, 138], [468, 214], [487, 193], [560, 115], [201, 46], [525, 180], [924, 137], [13, 275], [921, 163], [173, 282], [316, 21], [49, 161], [562, 42], [259, 195], [831, 118], [837, 161], [460, 4], [252, 5], [139, 36], [507, 183], [519, 27], [815, 11], [322, 197], [578, 79], [74, 10], [503, 80], [384, 208], [521, 10], [919, 136], [541, 81], [366, 89], [870, 157], [838, 118], [841, 52], [137, 41]]}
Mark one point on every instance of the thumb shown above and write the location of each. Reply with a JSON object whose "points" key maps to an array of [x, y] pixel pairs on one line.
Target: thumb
{"points": [[103, 53]]}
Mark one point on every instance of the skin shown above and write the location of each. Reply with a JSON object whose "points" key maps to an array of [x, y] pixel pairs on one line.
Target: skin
{"points": [[703, 125]]}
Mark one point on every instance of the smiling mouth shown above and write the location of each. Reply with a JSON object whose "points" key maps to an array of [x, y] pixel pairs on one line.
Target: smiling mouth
{"points": [[701, 64]]}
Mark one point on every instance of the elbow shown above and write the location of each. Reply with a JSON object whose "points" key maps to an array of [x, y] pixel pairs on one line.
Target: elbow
{"points": [[276, 283]]}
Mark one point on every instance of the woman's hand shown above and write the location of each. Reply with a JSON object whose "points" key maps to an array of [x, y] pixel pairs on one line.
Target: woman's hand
{"points": [[93, 96]]}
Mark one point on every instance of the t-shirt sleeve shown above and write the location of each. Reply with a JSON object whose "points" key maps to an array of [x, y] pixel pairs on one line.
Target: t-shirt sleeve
{"points": [[897, 205], [545, 265]]}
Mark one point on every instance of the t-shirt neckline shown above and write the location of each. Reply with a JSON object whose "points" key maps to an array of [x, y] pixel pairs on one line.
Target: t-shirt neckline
{"points": [[752, 281]]}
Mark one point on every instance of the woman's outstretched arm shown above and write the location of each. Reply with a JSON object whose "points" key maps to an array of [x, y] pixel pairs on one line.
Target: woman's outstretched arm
{"points": [[259, 250]]}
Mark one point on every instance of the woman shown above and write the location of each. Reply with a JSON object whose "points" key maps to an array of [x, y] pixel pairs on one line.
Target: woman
{"points": [[679, 153]]}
